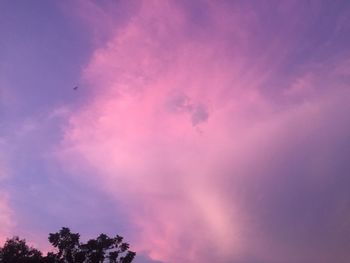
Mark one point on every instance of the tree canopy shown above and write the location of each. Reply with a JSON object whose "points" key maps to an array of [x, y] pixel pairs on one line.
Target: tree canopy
{"points": [[69, 249]]}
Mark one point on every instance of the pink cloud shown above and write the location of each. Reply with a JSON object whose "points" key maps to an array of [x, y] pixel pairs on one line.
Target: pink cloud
{"points": [[6, 218], [7, 222], [173, 121]]}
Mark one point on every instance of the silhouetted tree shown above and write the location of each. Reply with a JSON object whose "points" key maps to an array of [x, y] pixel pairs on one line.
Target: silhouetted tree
{"points": [[69, 250], [104, 247], [67, 244], [16, 250]]}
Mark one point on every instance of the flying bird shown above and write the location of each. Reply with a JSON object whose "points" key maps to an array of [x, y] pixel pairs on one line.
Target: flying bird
{"points": [[75, 88]]}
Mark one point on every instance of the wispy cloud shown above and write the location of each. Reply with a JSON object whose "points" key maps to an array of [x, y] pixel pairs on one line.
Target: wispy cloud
{"points": [[7, 218]]}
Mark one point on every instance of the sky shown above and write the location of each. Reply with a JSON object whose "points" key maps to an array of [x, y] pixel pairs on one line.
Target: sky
{"points": [[201, 131]]}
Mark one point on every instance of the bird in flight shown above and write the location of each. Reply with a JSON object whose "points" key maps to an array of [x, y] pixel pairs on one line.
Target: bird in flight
{"points": [[75, 88]]}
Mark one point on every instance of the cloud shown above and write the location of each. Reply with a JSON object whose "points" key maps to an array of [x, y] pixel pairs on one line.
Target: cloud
{"points": [[59, 112], [200, 114], [7, 220], [265, 177], [180, 103]]}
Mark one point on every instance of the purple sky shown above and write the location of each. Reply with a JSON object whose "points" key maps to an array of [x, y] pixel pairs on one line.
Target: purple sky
{"points": [[202, 131]]}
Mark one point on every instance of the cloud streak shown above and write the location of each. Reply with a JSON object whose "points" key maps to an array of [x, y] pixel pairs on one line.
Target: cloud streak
{"points": [[7, 219]]}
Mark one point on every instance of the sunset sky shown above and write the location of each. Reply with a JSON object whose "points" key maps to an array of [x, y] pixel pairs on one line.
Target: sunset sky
{"points": [[202, 131]]}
